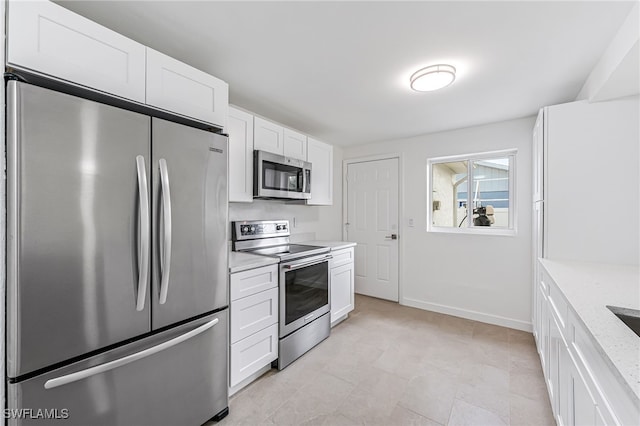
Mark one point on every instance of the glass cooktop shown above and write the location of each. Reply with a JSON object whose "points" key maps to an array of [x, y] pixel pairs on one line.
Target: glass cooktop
{"points": [[290, 251]]}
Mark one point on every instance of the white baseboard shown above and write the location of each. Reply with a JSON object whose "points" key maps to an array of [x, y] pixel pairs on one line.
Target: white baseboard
{"points": [[468, 314]]}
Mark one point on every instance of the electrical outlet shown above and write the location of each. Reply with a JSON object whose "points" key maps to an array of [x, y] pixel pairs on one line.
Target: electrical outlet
{"points": [[411, 222]]}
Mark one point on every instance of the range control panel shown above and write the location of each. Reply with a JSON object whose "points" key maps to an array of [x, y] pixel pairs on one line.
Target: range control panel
{"points": [[243, 230]]}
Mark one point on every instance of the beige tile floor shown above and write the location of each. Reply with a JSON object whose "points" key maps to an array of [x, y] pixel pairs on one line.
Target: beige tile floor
{"points": [[393, 365]]}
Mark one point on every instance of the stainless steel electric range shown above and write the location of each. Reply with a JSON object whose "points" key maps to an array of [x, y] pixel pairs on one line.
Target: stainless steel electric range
{"points": [[304, 319]]}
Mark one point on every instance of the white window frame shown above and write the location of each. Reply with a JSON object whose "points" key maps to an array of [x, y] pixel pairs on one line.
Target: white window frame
{"points": [[470, 158]]}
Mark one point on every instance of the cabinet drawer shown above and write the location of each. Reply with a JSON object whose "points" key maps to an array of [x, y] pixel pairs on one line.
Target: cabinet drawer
{"points": [[558, 305], [557, 301], [49, 39], [177, 87], [341, 257], [253, 281], [251, 354], [253, 313]]}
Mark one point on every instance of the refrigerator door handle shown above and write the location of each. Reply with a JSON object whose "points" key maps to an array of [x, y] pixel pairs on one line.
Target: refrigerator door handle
{"points": [[165, 248], [143, 254], [107, 366]]}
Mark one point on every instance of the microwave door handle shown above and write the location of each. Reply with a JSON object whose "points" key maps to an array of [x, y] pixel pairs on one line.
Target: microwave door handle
{"points": [[304, 264], [165, 247], [143, 252], [305, 184]]}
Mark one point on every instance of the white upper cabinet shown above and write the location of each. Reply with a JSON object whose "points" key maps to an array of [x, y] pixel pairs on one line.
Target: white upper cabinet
{"points": [[295, 145], [268, 136], [240, 129], [49, 39], [320, 155], [178, 87]]}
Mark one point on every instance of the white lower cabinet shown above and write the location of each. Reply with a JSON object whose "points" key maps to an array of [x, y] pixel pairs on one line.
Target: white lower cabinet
{"points": [[585, 409], [250, 355], [254, 322], [253, 313], [582, 389], [557, 381], [342, 284]]}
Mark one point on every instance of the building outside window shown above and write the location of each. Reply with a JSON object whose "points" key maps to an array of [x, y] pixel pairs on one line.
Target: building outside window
{"points": [[472, 193]]}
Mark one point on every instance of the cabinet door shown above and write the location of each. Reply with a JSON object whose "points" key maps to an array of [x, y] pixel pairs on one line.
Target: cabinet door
{"points": [[268, 136], [295, 145], [558, 373], [543, 331], [342, 278], [251, 354], [49, 39], [320, 155], [177, 87], [240, 129], [583, 407]]}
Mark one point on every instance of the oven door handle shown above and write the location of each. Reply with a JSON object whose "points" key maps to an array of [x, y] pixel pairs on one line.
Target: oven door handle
{"points": [[307, 263]]}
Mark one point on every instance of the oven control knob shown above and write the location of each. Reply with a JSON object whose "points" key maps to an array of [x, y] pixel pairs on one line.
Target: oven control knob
{"points": [[278, 227]]}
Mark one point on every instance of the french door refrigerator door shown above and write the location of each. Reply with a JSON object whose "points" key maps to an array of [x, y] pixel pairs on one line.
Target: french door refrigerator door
{"points": [[77, 237], [190, 225], [177, 377]]}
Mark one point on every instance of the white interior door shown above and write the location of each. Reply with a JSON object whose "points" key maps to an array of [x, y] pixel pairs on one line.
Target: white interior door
{"points": [[372, 218]]}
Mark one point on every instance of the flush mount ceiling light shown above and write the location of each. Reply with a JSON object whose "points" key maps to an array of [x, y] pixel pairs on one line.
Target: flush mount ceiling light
{"points": [[433, 77]]}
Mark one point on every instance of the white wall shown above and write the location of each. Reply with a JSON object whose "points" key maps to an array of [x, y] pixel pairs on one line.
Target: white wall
{"points": [[312, 222], [482, 277]]}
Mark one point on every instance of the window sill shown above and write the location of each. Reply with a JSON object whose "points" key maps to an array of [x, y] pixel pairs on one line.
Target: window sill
{"points": [[501, 232]]}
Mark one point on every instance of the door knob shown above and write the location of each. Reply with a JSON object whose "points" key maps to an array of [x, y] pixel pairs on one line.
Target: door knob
{"points": [[391, 237]]}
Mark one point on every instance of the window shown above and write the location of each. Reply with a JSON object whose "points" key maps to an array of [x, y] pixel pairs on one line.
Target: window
{"points": [[472, 193]]}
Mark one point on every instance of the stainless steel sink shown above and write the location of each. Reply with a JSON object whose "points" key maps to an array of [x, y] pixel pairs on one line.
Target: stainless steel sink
{"points": [[630, 317]]}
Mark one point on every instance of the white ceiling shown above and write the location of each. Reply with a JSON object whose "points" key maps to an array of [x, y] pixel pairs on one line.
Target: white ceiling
{"points": [[339, 70]]}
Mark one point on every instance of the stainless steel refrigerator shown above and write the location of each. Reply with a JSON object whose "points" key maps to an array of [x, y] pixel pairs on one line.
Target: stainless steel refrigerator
{"points": [[117, 264]]}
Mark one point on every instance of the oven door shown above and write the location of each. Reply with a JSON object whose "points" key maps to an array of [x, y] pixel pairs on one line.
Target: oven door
{"points": [[277, 176], [304, 292]]}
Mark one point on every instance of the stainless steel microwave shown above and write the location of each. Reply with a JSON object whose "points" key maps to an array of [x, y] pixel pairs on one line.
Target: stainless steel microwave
{"points": [[277, 176]]}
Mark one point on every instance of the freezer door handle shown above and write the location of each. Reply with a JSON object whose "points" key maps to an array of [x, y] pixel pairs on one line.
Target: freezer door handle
{"points": [[111, 365], [143, 253], [165, 247]]}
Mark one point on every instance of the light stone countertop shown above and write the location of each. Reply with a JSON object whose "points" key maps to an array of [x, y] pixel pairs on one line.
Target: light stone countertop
{"points": [[239, 261], [589, 288], [333, 245]]}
